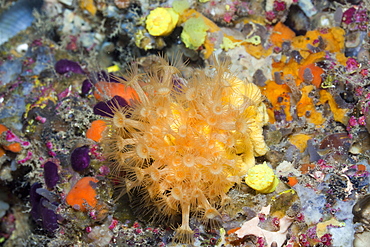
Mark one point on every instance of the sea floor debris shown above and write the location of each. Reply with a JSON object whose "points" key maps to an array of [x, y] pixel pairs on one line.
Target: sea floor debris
{"points": [[281, 133]]}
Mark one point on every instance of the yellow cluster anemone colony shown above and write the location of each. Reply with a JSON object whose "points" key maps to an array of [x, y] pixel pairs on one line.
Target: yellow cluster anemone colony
{"points": [[186, 142]]}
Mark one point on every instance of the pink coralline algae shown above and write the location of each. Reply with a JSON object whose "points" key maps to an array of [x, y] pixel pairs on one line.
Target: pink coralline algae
{"points": [[228, 17], [353, 121], [362, 121], [276, 221], [40, 119], [300, 217], [113, 224], [11, 137], [49, 146], [104, 170], [347, 17], [303, 240], [364, 72], [27, 158], [326, 239], [270, 15], [356, 18], [279, 5], [352, 65]]}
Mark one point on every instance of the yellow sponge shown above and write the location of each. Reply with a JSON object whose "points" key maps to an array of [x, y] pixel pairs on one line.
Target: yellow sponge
{"points": [[88, 5], [262, 178], [161, 21]]}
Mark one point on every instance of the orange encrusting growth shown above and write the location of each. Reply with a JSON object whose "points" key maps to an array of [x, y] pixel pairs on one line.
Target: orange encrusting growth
{"points": [[300, 141], [3, 128], [292, 181], [231, 231], [186, 145], [96, 130], [279, 96], [326, 40], [361, 167], [111, 89], [339, 114], [316, 74], [83, 195], [281, 33], [13, 147], [306, 107]]}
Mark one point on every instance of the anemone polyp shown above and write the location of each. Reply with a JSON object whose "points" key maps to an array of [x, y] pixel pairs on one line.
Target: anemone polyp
{"points": [[185, 142]]}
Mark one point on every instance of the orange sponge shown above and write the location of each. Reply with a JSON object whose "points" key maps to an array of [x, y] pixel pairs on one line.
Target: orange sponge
{"points": [[83, 195], [3, 128], [315, 71], [96, 129], [14, 147], [112, 89], [281, 33]]}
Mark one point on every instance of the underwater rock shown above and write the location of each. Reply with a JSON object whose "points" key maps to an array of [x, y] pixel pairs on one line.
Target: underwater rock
{"points": [[362, 239], [17, 18], [335, 142], [3, 208], [354, 43], [9, 70], [362, 144], [312, 151], [312, 203], [297, 20], [259, 78]]}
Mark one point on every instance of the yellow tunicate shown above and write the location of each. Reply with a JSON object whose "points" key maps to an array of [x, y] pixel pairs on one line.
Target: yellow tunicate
{"points": [[262, 178], [113, 68], [228, 44], [180, 6], [194, 33], [161, 21]]}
